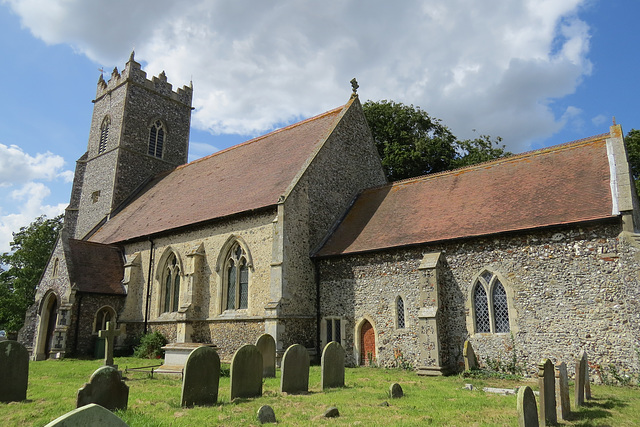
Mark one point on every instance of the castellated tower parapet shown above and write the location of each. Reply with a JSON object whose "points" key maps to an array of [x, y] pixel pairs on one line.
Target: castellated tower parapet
{"points": [[139, 129]]}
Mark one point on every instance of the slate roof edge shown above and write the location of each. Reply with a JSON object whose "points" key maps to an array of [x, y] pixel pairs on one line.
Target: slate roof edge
{"points": [[468, 237]]}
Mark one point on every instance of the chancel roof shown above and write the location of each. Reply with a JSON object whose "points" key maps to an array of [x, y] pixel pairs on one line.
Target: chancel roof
{"points": [[559, 185], [242, 178], [95, 268]]}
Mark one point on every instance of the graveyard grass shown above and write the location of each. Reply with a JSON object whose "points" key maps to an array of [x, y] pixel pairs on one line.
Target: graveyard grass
{"points": [[439, 401]]}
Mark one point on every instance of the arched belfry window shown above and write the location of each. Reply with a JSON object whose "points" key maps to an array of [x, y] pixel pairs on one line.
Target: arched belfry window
{"points": [[171, 283], [104, 135], [400, 320], [490, 304], [237, 278], [156, 139]]}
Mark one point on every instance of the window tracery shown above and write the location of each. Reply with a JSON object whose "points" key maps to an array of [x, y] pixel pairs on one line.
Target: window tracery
{"points": [[171, 290], [490, 304], [237, 279], [156, 139]]}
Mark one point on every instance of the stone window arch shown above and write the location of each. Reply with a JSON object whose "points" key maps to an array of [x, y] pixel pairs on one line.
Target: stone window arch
{"points": [[104, 135], [400, 313], [491, 304], [236, 278], [170, 278], [103, 315], [157, 136]]}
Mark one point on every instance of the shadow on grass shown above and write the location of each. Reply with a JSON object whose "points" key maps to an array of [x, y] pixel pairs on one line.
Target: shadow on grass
{"points": [[595, 409]]}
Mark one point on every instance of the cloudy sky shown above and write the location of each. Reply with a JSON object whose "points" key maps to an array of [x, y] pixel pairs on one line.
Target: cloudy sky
{"points": [[535, 72]]}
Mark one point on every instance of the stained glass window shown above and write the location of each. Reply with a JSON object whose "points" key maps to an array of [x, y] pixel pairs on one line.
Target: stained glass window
{"points": [[500, 308], [481, 309]]}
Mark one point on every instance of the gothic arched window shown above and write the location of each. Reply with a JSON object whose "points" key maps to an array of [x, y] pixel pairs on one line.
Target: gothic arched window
{"points": [[104, 315], [500, 307], [491, 309], [156, 139], [400, 313], [481, 308], [104, 135], [237, 278], [171, 282]]}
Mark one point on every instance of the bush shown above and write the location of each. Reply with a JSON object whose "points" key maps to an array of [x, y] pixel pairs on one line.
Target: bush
{"points": [[151, 346]]}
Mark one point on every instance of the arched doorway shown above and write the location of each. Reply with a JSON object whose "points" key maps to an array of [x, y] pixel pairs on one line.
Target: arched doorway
{"points": [[367, 344], [51, 313]]}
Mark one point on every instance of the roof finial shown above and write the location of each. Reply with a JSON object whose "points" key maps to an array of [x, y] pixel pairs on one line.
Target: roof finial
{"points": [[354, 87], [614, 120], [132, 55]]}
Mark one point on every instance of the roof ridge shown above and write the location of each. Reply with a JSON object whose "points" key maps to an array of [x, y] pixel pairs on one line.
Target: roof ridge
{"points": [[258, 138]]}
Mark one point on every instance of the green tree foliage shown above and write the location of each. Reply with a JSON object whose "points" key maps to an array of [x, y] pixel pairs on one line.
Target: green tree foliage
{"points": [[23, 266], [632, 141], [411, 143]]}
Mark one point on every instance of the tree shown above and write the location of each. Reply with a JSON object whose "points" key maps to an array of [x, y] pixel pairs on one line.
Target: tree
{"points": [[30, 251], [632, 141], [411, 143]]}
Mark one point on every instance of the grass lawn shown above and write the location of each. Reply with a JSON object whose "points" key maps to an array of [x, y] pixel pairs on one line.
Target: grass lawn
{"points": [[428, 401]]}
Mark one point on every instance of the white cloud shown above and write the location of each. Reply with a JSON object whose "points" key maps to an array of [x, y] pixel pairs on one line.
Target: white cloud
{"points": [[16, 166], [494, 65]]}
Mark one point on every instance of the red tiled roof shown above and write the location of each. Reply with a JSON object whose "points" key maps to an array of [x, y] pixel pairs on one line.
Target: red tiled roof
{"points": [[558, 185], [95, 268], [248, 176]]}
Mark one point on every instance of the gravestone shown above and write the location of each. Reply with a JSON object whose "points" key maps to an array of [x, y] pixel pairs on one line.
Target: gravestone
{"points": [[266, 414], [109, 336], [14, 371], [331, 412], [587, 383], [469, 356], [527, 409], [295, 370], [267, 346], [89, 415], [104, 388], [395, 391], [246, 372], [563, 406], [201, 378], [581, 367], [332, 373], [546, 385]]}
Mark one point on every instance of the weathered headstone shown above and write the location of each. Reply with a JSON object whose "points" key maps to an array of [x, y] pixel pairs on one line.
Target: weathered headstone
{"points": [[332, 412], [587, 383], [14, 371], [527, 409], [267, 346], [104, 388], [89, 415], [295, 370], [246, 372], [469, 356], [581, 367], [546, 385], [332, 374], [395, 391], [266, 415], [201, 378], [109, 336], [563, 405]]}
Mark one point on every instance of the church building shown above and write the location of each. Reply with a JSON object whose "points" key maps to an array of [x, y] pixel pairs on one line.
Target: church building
{"points": [[297, 234]]}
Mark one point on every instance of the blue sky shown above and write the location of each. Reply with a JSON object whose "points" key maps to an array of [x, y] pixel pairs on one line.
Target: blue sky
{"points": [[535, 72]]}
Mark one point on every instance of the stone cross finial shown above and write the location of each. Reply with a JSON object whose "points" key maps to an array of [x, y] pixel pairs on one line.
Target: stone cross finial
{"points": [[354, 87], [109, 336]]}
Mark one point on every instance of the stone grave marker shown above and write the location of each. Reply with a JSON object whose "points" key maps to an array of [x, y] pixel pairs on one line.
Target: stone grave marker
{"points": [[332, 371], [563, 405], [395, 391], [104, 388], [89, 415], [331, 412], [527, 409], [546, 385], [587, 383], [201, 378], [266, 415], [109, 336], [246, 372], [469, 356], [295, 370], [14, 371], [581, 367], [267, 346]]}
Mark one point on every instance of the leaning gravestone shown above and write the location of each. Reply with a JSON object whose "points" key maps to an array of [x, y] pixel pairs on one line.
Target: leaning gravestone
{"points": [[469, 356], [104, 388], [587, 383], [295, 370], [546, 385], [395, 391], [527, 409], [581, 367], [267, 346], [332, 374], [201, 378], [563, 406], [14, 371], [246, 372], [89, 415]]}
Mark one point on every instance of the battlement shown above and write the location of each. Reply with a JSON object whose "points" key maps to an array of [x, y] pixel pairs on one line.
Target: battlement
{"points": [[133, 72]]}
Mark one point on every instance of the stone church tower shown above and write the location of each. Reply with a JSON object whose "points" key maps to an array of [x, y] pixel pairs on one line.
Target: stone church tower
{"points": [[139, 128]]}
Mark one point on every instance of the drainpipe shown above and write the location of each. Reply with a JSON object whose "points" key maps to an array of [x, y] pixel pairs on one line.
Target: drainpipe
{"points": [[147, 302]]}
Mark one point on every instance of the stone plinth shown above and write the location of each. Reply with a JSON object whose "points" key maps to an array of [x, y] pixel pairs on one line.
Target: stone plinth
{"points": [[176, 355]]}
